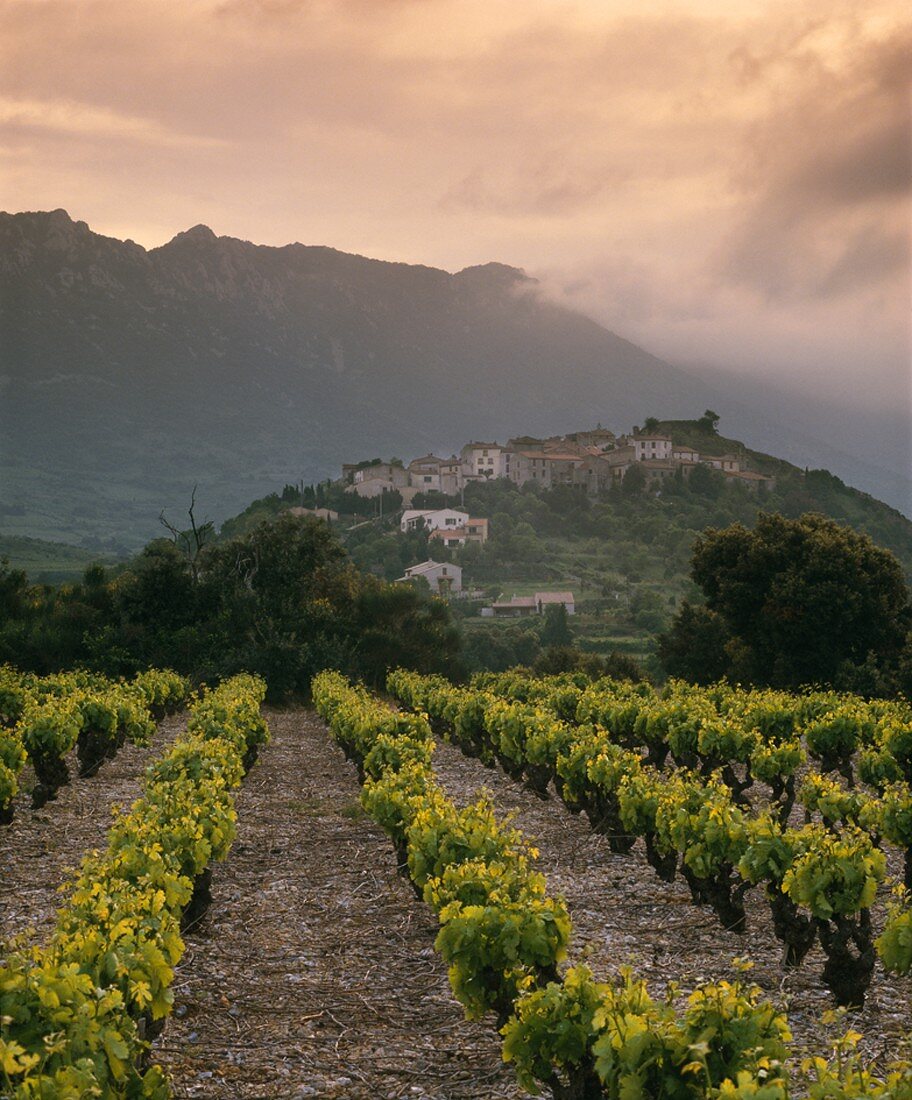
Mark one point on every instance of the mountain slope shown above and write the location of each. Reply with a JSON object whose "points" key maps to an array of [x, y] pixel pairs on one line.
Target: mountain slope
{"points": [[129, 375]]}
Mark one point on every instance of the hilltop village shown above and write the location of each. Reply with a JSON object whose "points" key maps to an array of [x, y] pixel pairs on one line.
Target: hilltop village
{"points": [[592, 461]]}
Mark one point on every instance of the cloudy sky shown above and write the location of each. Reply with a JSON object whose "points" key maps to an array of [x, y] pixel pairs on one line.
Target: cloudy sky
{"points": [[724, 182]]}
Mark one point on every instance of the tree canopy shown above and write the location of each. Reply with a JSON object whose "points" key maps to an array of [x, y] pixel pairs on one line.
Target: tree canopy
{"points": [[791, 602], [283, 600]]}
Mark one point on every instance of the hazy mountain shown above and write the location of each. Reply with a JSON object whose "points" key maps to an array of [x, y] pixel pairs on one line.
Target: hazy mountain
{"points": [[871, 449], [130, 374]]}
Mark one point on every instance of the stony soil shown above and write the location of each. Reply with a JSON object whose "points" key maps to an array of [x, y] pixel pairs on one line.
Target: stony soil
{"points": [[623, 914], [314, 973]]}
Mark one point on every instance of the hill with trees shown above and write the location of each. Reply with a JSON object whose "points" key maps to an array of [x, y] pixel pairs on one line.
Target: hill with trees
{"points": [[626, 554]]}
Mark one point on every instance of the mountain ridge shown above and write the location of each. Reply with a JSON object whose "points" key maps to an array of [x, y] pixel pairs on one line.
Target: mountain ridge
{"points": [[130, 374]]}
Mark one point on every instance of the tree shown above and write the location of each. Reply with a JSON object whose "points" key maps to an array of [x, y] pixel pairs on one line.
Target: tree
{"points": [[191, 543], [709, 421], [556, 627], [634, 480], [401, 625], [157, 592], [694, 648], [804, 601], [706, 482], [13, 591], [281, 601], [648, 610]]}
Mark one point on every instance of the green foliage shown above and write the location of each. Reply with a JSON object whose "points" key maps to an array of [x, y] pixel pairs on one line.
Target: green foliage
{"points": [[556, 627], [826, 797], [895, 945], [554, 1028], [804, 601], [836, 875], [844, 1076], [695, 648], [282, 600], [69, 1012], [502, 936], [493, 948]]}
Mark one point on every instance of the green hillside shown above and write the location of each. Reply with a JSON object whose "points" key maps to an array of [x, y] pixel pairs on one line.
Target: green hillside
{"points": [[48, 562], [626, 556]]}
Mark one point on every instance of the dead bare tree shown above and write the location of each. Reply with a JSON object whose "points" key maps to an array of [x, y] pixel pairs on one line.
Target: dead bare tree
{"points": [[192, 542]]}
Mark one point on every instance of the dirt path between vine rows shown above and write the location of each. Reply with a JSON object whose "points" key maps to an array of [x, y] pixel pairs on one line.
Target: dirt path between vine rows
{"points": [[40, 848], [623, 914], [314, 974]]}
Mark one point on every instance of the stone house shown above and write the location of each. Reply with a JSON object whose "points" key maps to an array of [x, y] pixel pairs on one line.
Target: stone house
{"points": [[725, 463], [657, 471], [620, 460], [372, 487], [599, 438], [451, 480], [424, 473], [593, 474], [546, 467], [751, 479], [372, 480]]}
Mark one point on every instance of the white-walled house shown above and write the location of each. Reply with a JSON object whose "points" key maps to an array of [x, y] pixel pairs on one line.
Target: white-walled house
{"points": [[442, 577], [432, 519], [481, 461], [651, 446], [476, 530]]}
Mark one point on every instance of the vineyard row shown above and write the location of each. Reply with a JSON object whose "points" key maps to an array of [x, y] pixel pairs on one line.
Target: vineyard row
{"points": [[42, 719], [77, 1016], [819, 880]]}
